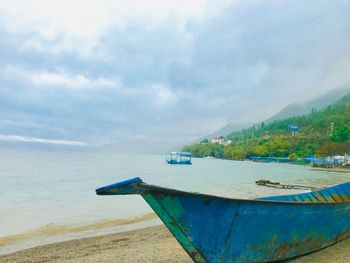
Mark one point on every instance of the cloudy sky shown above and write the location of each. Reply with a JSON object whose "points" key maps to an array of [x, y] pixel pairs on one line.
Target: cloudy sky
{"points": [[97, 72]]}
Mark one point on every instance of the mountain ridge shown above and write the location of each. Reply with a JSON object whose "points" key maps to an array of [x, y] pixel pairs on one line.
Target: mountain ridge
{"points": [[325, 132], [295, 108]]}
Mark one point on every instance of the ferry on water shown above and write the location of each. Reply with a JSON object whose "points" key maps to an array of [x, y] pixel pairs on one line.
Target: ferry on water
{"points": [[179, 158]]}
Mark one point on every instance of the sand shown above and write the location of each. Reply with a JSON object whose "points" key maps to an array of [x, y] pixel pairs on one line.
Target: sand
{"points": [[153, 244]]}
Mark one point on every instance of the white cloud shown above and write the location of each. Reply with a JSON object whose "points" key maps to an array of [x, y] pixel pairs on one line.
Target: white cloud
{"points": [[60, 79], [18, 138], [154, 94], [77, 25], [65, 43], [89, 18], [162, 95], [48, 78]]}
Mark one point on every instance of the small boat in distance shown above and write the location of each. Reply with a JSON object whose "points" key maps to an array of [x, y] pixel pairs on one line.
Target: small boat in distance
{"points": [[179, 158], [215, 229]]}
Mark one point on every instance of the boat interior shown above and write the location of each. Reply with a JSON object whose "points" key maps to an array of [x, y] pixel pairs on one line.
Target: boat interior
{"points": [[338, 193]]}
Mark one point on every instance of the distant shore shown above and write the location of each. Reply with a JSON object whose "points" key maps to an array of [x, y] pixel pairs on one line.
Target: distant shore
{"points": [[332, 170], [153, 244]]}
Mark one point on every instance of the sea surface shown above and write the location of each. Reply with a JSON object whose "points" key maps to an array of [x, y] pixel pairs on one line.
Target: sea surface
{"points": [[47, 196]]}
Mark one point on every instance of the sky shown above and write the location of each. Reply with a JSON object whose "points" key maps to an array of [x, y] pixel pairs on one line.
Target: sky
{"points": [[161, 72]]}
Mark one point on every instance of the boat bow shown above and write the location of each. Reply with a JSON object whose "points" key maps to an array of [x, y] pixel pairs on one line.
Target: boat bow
{"points": [[131, 186]]}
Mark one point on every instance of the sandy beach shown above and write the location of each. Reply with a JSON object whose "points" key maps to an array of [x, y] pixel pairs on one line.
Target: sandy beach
{"points": [[153, 244]]}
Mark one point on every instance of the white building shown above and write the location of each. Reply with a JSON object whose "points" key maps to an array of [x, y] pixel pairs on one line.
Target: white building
{"points": [[218, 140]]}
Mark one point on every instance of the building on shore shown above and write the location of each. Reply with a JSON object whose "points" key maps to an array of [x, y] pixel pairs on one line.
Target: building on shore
{"points": [[218, 140]]}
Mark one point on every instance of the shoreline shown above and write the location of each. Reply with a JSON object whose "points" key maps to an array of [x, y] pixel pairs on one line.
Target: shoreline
{"points": [[151, 244], [336, 169], [61, 233], [331, 170]]}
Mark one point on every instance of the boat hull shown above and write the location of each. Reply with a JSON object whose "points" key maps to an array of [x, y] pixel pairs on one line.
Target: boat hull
{"points": [[215, 229], [178, 162]]}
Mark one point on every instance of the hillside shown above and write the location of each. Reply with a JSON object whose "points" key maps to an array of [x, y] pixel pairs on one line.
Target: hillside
{"points": [[293, 109], [318, 103], [324, 132]]}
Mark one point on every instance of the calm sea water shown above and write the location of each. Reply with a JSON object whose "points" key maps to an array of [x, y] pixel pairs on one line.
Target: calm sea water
{"points": [[43, 189]]}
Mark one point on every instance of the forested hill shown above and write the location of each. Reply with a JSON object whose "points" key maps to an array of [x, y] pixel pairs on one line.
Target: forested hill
{"points": [[324, 132], [295, 108], [320, 102]]}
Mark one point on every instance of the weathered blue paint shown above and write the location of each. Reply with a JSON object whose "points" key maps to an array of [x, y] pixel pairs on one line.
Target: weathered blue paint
{"points": [[216, 229]]}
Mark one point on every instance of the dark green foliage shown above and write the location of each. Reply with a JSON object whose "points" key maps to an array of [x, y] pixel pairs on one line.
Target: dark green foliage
{"points": [[204, 141], [341, 134], [204, 150]]}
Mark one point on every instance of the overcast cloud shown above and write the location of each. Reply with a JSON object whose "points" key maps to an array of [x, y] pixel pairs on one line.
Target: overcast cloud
{"points": [[96, 72]]}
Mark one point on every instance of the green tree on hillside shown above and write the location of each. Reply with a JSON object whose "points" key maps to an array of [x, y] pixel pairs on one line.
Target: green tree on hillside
{"points": [[341, 134], [234, 152]]}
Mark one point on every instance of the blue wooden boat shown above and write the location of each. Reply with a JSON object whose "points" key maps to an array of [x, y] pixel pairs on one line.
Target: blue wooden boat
{"points": [[179, 158], [217, 229]]}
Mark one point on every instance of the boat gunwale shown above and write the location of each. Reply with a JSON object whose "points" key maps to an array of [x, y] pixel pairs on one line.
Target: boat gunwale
{"points": [[150, 188], [144, 188]]}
